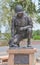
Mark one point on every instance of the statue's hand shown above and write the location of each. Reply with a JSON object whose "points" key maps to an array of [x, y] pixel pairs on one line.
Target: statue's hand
{"points": [[24, 28]]}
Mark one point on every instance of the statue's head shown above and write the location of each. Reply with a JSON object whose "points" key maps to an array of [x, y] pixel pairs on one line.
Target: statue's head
{"points": [[19, 10]]}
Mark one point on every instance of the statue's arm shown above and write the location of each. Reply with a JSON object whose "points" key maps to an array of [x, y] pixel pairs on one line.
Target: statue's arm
{"points": [[30, 23], [26, 27]]}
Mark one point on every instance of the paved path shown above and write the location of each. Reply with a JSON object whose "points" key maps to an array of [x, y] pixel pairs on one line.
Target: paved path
{"points": [[37, 63]]}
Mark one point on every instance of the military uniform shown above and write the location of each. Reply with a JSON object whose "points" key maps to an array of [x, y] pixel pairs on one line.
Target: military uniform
{"points": [[17, 34]]}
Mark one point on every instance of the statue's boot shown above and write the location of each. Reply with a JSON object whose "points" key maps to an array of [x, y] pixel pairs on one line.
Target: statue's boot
{"points": [[29, 46], [12, 46]]}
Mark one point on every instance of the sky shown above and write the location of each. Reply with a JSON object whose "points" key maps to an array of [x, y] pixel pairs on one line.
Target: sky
{"points": [[36, 3]]}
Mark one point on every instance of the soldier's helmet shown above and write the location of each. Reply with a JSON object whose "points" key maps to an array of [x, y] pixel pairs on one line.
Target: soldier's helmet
{"points": [[18, 9]]}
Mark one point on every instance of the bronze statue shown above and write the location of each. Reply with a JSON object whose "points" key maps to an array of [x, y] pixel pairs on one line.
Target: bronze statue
{"points": [[21, 27]]}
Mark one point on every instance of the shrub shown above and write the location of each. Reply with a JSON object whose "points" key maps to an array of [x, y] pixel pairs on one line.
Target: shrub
{"points": [[36, 35]]}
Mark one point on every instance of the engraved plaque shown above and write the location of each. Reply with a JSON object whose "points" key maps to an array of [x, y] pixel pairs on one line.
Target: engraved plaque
{"points": [[21, 59]]}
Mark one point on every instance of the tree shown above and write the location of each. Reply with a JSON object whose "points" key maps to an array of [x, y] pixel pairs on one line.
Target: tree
{"points": [[8, 6], [38, 18], [28, 5], [38, 6], [5, 15], [5, 8]]}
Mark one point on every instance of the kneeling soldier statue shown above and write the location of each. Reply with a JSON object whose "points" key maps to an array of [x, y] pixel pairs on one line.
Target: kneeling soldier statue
{"points": [[21, 28]]}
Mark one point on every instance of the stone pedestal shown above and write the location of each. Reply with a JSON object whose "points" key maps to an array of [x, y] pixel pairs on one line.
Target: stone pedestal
{"points": [[21, 56]]}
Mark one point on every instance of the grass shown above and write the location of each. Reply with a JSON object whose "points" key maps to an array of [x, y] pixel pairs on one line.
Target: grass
{"points": [[36, 37]]}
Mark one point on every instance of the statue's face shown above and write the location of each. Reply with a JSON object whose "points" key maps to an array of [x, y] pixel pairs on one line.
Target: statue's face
{"points": [[20, 14]]}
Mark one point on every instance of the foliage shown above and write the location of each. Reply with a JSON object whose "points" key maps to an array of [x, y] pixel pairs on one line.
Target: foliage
{"points": [[38, 6], [7, 36], [38, 18], [28, 5], [5, 11], [36, 35], [8, 5]]}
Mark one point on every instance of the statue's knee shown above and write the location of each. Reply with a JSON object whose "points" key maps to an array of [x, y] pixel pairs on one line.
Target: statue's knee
{"points": [[10, 41], [15, 40], [29, 30]]}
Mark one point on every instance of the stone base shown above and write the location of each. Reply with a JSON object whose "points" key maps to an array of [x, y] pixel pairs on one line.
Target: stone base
{"points": [[21, 56]]}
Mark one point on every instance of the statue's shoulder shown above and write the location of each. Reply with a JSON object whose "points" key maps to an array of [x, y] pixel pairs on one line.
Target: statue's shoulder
{"points": [[26, 16]]}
